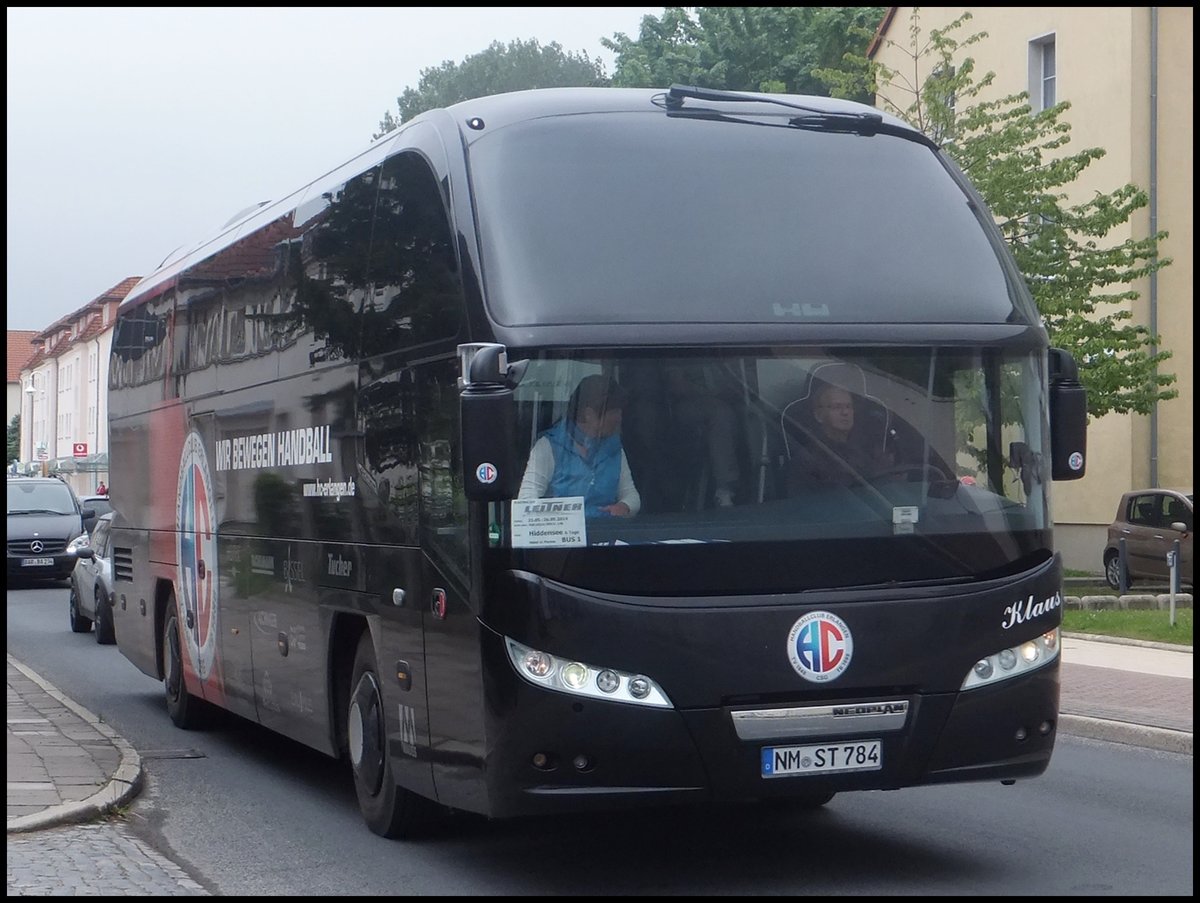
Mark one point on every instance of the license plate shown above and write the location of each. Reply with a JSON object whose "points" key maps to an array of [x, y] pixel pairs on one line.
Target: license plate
{"points": [[825, 758], [37, 562]]}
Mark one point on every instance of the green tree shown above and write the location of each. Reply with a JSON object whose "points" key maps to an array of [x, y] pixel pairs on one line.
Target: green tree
{"points": [[742, 48], [14, 439], [1080, 278], [515, 66]]}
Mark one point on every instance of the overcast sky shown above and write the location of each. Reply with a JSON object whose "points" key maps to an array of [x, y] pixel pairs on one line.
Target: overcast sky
{"points": [[134, 131]]}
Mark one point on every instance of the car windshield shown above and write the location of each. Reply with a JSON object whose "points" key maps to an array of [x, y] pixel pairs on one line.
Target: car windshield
{"points": [[920, 454], [37, 497]]}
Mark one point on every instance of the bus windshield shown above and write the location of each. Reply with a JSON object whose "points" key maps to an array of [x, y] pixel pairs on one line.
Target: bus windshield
{"points": [[931, 455]]}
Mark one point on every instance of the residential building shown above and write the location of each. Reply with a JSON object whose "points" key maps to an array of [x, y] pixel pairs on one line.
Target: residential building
{"points": [[64, 421], [20, 350], [1127, 73]]}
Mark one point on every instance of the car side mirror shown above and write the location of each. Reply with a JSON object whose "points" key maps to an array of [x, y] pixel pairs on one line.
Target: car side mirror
{"points": [[1179, 526], [85, 552], [89, 515]]}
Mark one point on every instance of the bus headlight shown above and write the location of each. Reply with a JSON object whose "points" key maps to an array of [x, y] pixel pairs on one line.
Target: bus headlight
{"points": [[1014, 661], [568, 676]]}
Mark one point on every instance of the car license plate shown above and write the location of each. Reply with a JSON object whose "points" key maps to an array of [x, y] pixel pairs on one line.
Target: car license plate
{"points": [[825, 758], [37, 562]]}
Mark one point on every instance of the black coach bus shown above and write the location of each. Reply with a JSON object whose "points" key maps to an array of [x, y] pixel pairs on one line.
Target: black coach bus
{"points": [[320, 421]]}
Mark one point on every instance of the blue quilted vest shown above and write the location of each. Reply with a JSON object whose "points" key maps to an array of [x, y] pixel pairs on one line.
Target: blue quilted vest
{"points": [[594, 476]]}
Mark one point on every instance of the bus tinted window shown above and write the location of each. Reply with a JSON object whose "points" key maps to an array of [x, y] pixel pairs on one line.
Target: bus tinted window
{"points": [[589, 220]]}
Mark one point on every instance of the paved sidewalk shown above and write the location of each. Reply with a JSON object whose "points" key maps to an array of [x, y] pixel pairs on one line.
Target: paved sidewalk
{"points": [[66, 767]]}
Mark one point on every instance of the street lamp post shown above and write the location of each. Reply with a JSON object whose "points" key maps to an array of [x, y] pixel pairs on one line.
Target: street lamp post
{"points": [[36, 448]]}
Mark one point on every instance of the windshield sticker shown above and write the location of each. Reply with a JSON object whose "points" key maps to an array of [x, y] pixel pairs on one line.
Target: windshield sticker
{"points": [[538, 523], [819, 646]]}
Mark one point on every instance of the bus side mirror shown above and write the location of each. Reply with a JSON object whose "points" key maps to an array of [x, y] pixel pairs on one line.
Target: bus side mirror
{"points": [[1068, 418], [492, 470]]}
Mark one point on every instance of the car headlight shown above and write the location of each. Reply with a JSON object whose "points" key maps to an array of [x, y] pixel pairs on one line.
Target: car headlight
{"points": [[1015, 660], [567, 676], [82, 541]]}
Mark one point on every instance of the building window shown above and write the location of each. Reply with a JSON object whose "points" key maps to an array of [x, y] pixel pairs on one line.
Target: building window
{"points": [[1043, 69]]}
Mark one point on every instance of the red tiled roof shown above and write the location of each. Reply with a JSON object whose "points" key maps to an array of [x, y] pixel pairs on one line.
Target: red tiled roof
{"points": [[116, 293], [20, 352]]}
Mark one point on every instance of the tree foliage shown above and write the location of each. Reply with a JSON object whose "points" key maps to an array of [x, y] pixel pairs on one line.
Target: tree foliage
{"points": [[515, 66], [14, 439], [1081, 278], [741, 48]]}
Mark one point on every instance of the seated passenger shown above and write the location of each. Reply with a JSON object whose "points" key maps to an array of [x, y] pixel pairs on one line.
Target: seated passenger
{"points": [[830, 454], [581, 454]]}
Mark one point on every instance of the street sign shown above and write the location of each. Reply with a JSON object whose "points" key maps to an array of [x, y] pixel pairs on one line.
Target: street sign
{"points": [[43, 455], [79, 449]]}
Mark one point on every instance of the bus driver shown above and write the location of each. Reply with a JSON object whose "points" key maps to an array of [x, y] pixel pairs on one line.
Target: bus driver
{"points": [[582, 455]]}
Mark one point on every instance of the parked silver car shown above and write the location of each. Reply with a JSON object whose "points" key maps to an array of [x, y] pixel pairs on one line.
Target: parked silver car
{"points": [[1149, 522], [92, 584]]}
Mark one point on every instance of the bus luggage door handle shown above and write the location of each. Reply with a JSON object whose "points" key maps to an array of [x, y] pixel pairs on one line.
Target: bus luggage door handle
{"points": [[438, 604]]}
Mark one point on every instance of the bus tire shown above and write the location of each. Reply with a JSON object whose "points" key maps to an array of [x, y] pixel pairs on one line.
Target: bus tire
{"points": [[389, 810], [186, 710]]}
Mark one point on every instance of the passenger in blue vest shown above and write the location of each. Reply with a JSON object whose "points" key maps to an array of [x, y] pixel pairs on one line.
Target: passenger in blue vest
{"points": [[581, 455]]}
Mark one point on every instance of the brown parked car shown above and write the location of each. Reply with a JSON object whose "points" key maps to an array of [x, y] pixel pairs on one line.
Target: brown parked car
{"points": [[1150, 520]]}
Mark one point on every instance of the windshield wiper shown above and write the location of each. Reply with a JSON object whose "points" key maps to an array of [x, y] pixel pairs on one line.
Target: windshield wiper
{"points": [[39, 511], [814, 119]]}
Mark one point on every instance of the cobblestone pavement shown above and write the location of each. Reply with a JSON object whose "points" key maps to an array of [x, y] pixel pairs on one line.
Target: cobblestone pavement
{"points": [[102, 859]]}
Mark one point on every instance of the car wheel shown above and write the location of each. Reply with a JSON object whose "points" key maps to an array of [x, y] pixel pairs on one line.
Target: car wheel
{"points": [[79, 624], [106, 634], [1112, 571], [389, 810], [186, 711]]}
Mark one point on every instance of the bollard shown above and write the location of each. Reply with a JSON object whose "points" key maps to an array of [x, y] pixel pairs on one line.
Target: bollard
{"points": [[1173, 564]]}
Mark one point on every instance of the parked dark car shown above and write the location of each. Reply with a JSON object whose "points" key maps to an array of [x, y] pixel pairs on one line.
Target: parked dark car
{"points": [[92, 584], [46, 524], [101, 504], [1150, 521]]}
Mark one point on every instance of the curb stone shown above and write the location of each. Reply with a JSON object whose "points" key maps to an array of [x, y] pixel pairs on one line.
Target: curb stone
{"points": [[125, 784]]}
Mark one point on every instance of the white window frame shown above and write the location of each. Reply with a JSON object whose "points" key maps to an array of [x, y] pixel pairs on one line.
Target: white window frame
{"points": [[1043, 71]]}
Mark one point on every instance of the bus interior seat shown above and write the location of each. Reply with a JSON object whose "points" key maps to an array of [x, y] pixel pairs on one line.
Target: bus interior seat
{"points": [[872, 420]]}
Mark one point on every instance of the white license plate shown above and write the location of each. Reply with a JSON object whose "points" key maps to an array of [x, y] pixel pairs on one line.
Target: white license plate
{"points": [[37, 562], [825, 758]]}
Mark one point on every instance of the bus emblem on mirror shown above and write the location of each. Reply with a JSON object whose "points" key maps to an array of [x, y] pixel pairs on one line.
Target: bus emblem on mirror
{"points": [[486, 473], [819, 646]]}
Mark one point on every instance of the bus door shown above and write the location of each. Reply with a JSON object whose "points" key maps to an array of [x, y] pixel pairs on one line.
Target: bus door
{"points": [[451, 627]]}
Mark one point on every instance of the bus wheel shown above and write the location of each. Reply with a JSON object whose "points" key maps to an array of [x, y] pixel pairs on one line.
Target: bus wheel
{"points": [[184, 708], [389, 810]]}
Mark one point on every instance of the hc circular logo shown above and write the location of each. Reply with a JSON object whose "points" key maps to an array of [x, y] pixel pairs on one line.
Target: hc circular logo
{"points": [[196, 555], [819, 646], [1075, 461], [486, 473]]}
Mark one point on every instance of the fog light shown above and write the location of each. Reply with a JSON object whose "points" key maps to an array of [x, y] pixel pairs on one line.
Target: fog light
{"points": [[581, 763], [538, 663], [1021, 734], [540, 760], [1045, 727], [574, 675], [639, 687]]}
